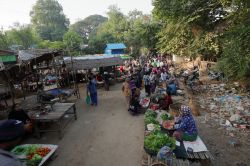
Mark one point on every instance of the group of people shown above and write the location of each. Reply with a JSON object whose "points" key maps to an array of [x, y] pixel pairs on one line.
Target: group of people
{"points": [[149, 73], [152, 73]]}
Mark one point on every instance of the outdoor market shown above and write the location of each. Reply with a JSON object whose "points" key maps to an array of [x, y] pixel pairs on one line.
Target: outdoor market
{"points": [[154, 86], [124, 83]]}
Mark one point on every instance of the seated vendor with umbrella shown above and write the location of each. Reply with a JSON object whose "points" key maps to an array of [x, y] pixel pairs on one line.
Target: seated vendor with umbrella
{"points": [[186, 129]]}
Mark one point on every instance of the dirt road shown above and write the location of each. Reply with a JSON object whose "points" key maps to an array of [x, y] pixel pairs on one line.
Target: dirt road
{"points": [[106, 135]]}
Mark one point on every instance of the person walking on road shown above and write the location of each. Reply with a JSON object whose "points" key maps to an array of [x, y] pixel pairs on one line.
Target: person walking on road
{"points": [[92, 90], [126, 91]]}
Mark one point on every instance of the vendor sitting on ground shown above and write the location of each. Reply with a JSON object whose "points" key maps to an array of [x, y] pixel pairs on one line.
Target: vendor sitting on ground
{"points": [[172, 88], [19, 114], [186, 129], [134, 105], [165, 102], [11, 133]]}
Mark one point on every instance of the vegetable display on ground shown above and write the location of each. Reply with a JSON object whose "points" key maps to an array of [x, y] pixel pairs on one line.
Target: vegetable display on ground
{"points": [[150, 117], [166, 117], [33, 153], [156, 140]]}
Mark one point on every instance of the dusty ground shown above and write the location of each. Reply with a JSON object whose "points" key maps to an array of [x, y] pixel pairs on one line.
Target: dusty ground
{"points": [[106, 135]]}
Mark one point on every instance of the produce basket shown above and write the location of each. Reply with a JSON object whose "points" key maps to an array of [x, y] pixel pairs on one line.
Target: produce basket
{"points": [[23, 156]]}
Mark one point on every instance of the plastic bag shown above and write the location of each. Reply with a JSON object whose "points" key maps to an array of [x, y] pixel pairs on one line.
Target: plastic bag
{"points": [[88, 100], [166, 154]]}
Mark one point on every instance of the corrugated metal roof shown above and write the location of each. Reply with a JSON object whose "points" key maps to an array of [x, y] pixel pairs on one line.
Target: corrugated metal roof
{"points": [[93, 61], [27, 55], [114, 46]]}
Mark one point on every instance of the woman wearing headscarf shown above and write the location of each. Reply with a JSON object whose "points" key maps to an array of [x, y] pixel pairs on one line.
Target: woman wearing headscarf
{"points": [[186, 129]]}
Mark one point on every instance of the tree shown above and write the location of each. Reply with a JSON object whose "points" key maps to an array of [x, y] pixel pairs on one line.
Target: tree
{"points": [[235, 58], [85, 27], [48, 19], [215, 28], [3, 40], [45, 44], [22, 35], [72, 41], [187, 24], [110, 31], [141, 33]]}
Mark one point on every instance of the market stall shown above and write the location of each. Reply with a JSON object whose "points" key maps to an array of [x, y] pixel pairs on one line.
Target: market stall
{"points": [[34, 154], [159, 143], [93, 61]]}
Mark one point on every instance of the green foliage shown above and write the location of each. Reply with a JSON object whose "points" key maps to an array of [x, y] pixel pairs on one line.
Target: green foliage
{"points": [[48, 19], [188, 26], [3, 40], [72, 40], [22, 35], [136, 30], [51, 45], [85, 27], [110, 31], [235, 60], [218, 29]]}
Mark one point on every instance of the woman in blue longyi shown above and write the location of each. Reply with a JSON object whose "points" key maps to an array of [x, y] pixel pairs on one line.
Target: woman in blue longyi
{"points": [[186, 129], [92, 90]]}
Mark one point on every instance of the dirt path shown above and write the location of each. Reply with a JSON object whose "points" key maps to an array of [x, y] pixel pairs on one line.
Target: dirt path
{"points": [[106, 135]]}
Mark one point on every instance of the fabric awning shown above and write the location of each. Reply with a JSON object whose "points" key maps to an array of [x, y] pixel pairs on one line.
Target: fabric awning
{"points": [[93, 61]]}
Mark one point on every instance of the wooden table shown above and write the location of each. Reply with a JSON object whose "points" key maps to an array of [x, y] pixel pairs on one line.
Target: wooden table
{"points": [[59, 110]]}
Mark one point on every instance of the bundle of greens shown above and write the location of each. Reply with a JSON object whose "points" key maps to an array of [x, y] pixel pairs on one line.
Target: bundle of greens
{"points": [[150, 117], [156, 140], [150, 113], [166, 117]]}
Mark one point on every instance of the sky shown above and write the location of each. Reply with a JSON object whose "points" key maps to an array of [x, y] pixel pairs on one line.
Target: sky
{"points": [[12, 11]]}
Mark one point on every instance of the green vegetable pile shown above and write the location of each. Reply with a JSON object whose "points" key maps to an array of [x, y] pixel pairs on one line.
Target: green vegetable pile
{"points": [[156, 140], [20, 150], [31, 149], [150, 117], [28, 151], [166, 117], [150, 113], [36, 159]]}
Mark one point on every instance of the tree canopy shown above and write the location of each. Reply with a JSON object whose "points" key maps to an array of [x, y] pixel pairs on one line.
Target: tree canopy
{"points": [[86, 26], [215, 28], [49, 20]]}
